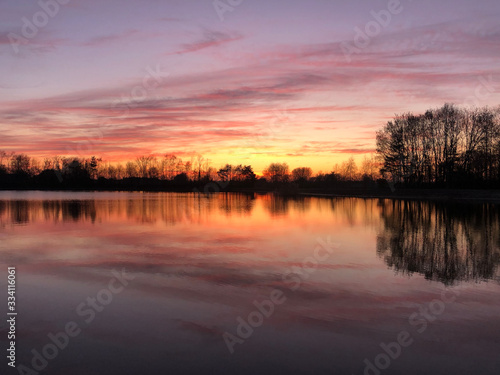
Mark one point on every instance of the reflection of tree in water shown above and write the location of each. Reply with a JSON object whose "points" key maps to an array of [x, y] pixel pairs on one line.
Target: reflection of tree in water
{"points": [[170, 208], [20, 213], [72, 210], [25, 211], [278, 205], [444, 242], [232, 203], [146, 208]]}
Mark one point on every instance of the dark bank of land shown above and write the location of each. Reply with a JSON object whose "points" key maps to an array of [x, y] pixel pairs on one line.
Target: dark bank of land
{"points": [[446, 153], [367, 188]]}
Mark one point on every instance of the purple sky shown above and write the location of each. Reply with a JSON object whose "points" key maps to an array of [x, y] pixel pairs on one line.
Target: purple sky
{"points": [[269, 82]]}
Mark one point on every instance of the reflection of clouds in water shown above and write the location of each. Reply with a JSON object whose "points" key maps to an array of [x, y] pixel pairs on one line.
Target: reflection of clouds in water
{"points": [[441, 241], [201, 261]]}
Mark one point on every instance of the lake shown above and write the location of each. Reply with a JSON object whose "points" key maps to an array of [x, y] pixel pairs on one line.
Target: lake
{"points": [[183, 283]]}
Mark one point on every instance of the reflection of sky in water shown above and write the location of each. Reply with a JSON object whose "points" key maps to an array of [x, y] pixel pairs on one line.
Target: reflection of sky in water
{"points": [[201, 262]]}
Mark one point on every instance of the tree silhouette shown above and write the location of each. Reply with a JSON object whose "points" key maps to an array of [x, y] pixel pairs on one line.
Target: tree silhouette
{"points": [[276, 172], [446, 147]]}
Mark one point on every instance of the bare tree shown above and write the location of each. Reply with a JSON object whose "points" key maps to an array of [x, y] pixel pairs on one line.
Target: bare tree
{"points": [[370, 167], [4, 157], [131, 169], [349, 170], [144, 164], [301, 174], [276, 172], [443, 146], [20, 163]]}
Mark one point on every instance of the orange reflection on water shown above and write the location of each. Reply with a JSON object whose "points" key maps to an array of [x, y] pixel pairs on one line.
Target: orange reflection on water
{"points": [[200, 262]]}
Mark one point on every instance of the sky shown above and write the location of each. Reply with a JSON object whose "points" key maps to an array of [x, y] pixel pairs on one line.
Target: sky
{"points": [[235, 81]]}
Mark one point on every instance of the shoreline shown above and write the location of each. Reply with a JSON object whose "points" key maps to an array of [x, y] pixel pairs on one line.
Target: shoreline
{"points": [[445, 195], [448, 197]]}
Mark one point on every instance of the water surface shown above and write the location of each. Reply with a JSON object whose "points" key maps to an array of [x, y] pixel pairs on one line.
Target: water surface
{"points": [[200, 263]]}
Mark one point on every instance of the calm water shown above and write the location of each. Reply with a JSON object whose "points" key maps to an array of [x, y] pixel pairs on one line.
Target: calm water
{"points": [[347, 276]]}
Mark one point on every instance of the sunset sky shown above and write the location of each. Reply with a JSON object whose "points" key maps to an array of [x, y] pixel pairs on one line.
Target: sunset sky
{"points": [[254, 83]]}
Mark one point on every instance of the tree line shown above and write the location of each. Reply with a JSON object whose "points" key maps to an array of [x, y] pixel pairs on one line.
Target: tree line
{"points": [[444, 147], [74, 171]]}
